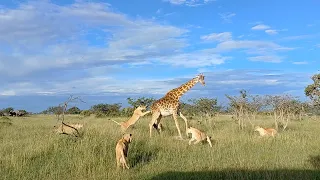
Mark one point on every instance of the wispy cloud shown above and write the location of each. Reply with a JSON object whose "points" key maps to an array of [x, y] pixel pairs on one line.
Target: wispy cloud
{"points": [[191, 3], [260, 27], [300, 62], [271, 31], [195, 59], [61, 44], [227, 17], [299, 37], [267, 29], [264, 49], [269, 58], [220, 37]]}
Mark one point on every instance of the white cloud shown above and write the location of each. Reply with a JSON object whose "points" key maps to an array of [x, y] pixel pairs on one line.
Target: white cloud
{"points": [[271, 31], [245, 44], [318, 45], [300, 37], [250, 81], [226, 17], [260, 27], [7, 93], [39, 35], [300, 62], [196, 59], [264, 49], [268, 58], [208, 1], [220, 37], [191, 3]]}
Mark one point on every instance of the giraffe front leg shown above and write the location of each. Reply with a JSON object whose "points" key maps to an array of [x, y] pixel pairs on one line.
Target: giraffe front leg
{"points": [[185, 120], [177, 125]]}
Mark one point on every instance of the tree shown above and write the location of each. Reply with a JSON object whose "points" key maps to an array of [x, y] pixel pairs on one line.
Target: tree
{"points": [[205, 106], [56, 110], [140, 101], [86, 113], [239, 107], [188, 109], [313, 90], [283, 108], [7, 110], [106, 109], [73, 110], [255, 105]]}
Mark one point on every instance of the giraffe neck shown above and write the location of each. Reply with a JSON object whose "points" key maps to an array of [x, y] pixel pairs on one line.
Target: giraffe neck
{"points": [[178, 92]]}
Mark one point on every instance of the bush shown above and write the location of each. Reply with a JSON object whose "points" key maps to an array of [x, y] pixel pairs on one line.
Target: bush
{"points": [[99, 115], [86, 113]]}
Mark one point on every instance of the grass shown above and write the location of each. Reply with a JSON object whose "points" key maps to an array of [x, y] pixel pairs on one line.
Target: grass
{"points": [[30, 150]]}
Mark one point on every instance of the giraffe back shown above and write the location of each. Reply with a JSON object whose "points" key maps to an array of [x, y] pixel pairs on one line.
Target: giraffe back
{"points": [[166, 105]]}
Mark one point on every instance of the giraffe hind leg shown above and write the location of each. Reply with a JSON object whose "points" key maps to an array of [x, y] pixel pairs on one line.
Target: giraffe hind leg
{"points": [[177, 125], [154, 121]]}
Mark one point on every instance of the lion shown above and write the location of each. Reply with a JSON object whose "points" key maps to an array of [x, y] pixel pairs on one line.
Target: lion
{"points": [[69, 129], [266, 131], [134, 118], [122, 150], [198, 135]]}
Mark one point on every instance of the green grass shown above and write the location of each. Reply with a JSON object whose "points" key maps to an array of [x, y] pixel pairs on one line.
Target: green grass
{"points": [[30, 150]]}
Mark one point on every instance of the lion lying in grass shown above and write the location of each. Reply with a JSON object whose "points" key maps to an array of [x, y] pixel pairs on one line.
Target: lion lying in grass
{"points": [[69, 129], [134, 118]]}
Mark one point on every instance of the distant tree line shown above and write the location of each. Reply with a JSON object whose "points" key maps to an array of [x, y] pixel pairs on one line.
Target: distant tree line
{"points": [[244, 107], [202, 107]]}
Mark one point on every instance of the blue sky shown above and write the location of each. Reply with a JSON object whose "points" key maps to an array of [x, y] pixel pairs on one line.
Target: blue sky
{"points": [[106, 51]]}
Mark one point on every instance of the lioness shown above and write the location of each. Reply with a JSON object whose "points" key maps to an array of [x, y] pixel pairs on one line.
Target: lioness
{"points": [[266, 132], [70, 129], [134, 118], [122, 150], [198, 135]]}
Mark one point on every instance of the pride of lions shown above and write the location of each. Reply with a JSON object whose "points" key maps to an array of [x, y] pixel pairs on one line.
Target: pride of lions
{"points": [[167, 105], [122, 146]]}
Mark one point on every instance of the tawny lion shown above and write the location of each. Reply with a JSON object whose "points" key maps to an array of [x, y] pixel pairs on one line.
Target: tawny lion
{"points": [[198, 135], [134, 118], [266, 131], [122, 150], [70, 129]]}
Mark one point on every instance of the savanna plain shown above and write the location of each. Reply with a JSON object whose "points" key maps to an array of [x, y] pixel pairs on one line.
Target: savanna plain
{"points": [[29, 149]]}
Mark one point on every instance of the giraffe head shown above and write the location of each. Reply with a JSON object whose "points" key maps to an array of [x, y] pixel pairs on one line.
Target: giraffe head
{"points": [[200, 78]]}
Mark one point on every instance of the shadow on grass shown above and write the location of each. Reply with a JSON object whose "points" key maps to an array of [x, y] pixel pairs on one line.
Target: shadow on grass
{"points": [[285, 174], [141, 154], [315, 161], [5, 121]]}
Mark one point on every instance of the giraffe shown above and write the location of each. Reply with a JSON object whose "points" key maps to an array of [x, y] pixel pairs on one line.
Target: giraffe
{"points": [[170, 105]]}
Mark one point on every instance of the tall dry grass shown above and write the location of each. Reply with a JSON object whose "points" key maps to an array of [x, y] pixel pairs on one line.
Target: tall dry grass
{"points": [[30, 150]]}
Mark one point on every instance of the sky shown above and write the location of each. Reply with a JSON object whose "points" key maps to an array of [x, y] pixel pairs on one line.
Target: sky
{"points": [[107, 51]]}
